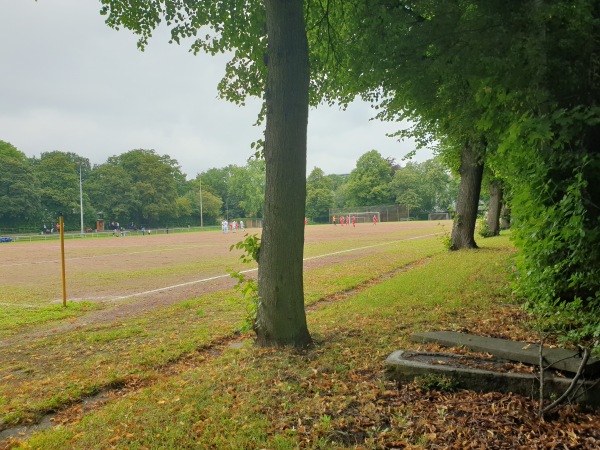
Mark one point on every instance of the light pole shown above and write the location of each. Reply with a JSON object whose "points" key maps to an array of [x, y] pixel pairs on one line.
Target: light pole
{"points": [[81, 199], [226, 180], [201, 218]]}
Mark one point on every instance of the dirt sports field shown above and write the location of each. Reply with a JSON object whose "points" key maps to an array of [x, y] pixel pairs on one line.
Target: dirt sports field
{"points": [[129, 275]]}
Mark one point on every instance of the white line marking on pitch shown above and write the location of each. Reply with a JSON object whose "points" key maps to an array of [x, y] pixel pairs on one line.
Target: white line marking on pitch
{"points": [[204, 280]]}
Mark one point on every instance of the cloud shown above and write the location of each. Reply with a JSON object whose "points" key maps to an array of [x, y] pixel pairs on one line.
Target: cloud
{"points": [[71, 83]]}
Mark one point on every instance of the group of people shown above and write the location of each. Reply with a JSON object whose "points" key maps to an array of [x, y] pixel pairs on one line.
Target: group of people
{"points": [[347, 220], [233, 226], [46, 230]]}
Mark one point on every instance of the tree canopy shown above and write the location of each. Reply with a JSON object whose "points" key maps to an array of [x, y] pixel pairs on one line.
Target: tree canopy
{"points": [[19, 196]]}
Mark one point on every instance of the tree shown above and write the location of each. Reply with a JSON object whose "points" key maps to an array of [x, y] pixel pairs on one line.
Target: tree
{"points": [[154, 184], [319, 196], [110, 189], [410, 199], [421, 61], [57, 174], [218, 182], [368, 184], [281, 318], [211, 203], [550, 147], [495, 207], [247, 186], [471, 175], [524, 93], [19, 195], [430, 181]]}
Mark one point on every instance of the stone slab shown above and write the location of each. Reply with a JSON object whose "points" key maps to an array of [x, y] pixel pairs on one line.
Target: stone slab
{"points": [[403, 366], [560, 358]]}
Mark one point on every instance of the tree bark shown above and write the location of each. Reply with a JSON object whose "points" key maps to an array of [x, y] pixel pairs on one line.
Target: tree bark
{"points": [[471, 174], [281, 319], [493, 217], [505, 217]]}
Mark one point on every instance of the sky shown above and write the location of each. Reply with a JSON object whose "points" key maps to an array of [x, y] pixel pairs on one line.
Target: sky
{"points": [[68, 82]]}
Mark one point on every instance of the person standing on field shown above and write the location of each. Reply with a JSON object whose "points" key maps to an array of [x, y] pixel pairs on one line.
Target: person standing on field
{"points": [[354, 221], [374, 220], [334, 220], [342, 220]]}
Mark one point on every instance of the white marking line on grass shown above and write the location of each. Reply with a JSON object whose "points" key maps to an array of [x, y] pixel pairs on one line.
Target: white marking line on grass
{"points": [[204, 280]]}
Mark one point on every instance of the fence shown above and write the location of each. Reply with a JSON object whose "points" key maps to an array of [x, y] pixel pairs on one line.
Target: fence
{"points": [[387, 213]]}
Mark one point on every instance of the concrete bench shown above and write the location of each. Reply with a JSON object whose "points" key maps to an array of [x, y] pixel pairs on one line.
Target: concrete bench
{"points": [[560, 358]]}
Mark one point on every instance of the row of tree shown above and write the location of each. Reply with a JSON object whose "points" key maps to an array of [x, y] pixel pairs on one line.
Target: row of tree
{"points": [[141, 188], [421, 187], [507, 88], [137, 188]]}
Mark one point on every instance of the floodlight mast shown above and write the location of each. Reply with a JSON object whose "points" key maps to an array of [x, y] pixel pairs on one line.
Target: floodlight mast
{"points": [[201, 216], [81, 199]]}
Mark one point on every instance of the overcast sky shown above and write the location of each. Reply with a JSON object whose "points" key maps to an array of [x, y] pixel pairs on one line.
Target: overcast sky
{"points": [[68, 82]]}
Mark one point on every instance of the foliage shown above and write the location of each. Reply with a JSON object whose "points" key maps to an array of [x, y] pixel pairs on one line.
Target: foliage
{"points": [[444, 237], [110, 189], [57, 175], [154, 180], [368, 183], [250, 246], [246, 286], [211, 203], [527, 88], [19, 195], [319, 196], [426, 187], [560, 263], [247, 188], [483, 229], [433, 382]]}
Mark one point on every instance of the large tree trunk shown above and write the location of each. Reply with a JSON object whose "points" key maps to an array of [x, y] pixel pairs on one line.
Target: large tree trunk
{"points": [[493, 217], [281, 319], [471, 174]]}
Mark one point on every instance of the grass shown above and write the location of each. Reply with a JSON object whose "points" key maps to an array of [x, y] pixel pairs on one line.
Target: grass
{"points": [[136, 349], [16, 317], [327, 397]]}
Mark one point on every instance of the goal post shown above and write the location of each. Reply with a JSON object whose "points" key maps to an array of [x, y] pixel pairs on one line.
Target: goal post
{"points": [[383, 213], [366, 216]]}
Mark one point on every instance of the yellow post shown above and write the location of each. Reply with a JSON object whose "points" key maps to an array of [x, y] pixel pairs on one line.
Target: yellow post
{"points": [[62, 257]]}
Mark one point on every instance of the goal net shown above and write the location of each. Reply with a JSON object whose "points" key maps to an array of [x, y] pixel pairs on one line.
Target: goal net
{"points": [[383, 213]]}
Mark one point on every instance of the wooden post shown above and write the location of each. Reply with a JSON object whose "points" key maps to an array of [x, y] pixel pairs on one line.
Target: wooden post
{"points": [[62, 257]]}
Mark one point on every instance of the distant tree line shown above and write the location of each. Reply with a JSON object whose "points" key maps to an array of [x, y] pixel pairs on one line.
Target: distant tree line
{"points": [[137, 188], [422, 187], [142, 188]]}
